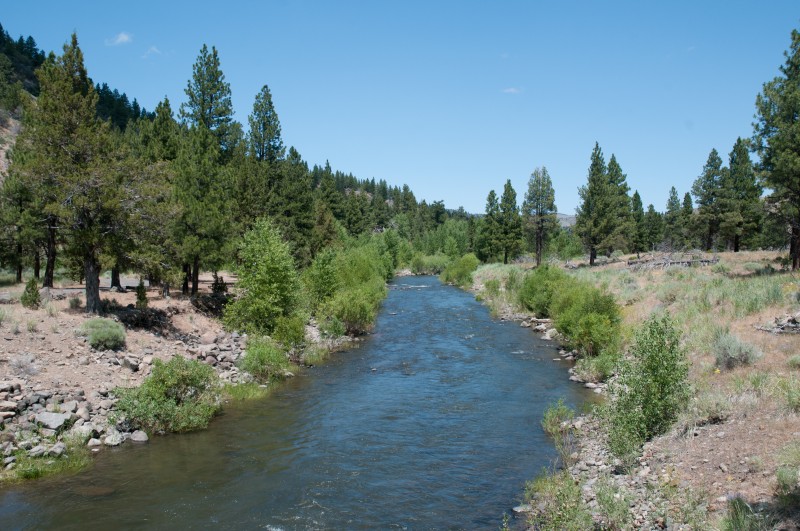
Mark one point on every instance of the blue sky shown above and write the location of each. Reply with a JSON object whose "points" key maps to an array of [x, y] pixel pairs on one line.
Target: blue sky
{"points": [[455, 97]]}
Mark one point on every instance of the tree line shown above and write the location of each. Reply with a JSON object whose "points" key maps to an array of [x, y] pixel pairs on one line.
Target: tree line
{"points": [[726, 208], [95, 184]]}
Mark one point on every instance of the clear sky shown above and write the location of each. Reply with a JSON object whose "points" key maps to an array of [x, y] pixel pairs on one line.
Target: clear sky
{"points": [[455, 97]]}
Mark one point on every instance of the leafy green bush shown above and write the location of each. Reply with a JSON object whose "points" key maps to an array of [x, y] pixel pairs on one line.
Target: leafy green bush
{"points": [[588, 317], [732, 353], [459, 272], [558, 502], [429, 265], [290, 330], [103, 334], [265, 359], [355, 309], [598, 368], [30, 297], [321, 279], [268, 282], [180, 395], [74, 303], [651, 389], [538, 287]]}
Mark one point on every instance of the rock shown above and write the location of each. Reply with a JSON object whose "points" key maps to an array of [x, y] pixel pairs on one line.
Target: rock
{"points": [[209, 338], [83, 360], [106, 404], [52, 421], [84, 431], [147, 359], [83, 413], [69, 407], [550, 334], [114, 438], [57, 449], [540, 328], [37, 451], [5, 298], [139, 436], [94, 442], [7, 405], [210, 360], [130, 363], [525, 508]]}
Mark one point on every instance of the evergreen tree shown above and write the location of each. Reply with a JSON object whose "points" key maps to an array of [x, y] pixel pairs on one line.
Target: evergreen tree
{"points": [[739, 198], [673, 234], [292, 206], [777, 140], [617, 220], [264, 140], [539, 210], [590, 223], [706, 190], [510, 223], [209, 100], [654, 227], [489, 234], [687, 222], [639, 238]]}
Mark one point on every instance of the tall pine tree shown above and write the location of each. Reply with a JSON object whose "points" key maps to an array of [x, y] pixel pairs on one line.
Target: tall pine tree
{"points": [[539, 210]]}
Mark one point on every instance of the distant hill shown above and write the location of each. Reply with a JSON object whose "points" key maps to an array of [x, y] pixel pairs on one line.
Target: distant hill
{"points": [[566, 220]]}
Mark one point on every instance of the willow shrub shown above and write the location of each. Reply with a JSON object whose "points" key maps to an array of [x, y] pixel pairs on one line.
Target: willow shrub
{"points": [[179, 395], [268, 286], [459, 272], [587, 316], [265, 359], [536, 292], [651, 389]]}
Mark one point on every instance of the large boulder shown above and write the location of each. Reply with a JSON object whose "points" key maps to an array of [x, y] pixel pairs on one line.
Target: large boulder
{"points": [[51, 420]]}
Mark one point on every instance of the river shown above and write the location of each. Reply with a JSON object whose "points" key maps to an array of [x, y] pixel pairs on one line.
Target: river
{"points": [[433, 423]]}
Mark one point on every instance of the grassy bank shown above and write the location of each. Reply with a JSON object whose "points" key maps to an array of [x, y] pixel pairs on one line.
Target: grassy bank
{"points": [[727, 450]]}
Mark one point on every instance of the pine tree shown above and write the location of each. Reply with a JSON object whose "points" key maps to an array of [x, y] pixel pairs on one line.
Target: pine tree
{"points": [[776, 137], [654, 227], [510, 223], [590, 224], [639, 238], [209, 100], [617, 220], [539, 210], [489, 234], [687, 222], [264, 139], [706, 190], [739, 198], [673, 235]]}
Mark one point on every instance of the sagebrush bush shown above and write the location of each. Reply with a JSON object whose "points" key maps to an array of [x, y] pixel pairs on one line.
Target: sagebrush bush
{"points": [[459, 272], [30, 297], [103, 334], [265, 359], [731, 353], [180, 395], [651, 389], [74, 303]]}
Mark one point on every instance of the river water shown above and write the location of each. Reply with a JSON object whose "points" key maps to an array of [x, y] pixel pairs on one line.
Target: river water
{"points": [[433, 423]]}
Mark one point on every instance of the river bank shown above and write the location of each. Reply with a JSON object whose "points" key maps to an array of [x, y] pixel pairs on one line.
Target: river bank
{"points": [[736, 439]]}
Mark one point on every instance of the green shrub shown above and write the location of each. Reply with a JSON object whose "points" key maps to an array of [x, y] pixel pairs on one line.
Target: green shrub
{"points": [[614, 505], [598, 368], [538, 287], [794, 362], [558, 503], [492, 287], [30, 297], [265, 359], [356, 309], [556, 423], [141, 296], [429, 265], [459, 272], [103, 334], [651, 389], [290, 331], [321, 278], [74, 303], [588, 317], [731, 353], [180, 395], [268, 283]]}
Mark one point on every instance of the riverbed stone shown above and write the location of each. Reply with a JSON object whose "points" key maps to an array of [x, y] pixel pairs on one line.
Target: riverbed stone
{"points": [[52, 420], [114, 438], [37, 451], [139, 436], [57, 450]]}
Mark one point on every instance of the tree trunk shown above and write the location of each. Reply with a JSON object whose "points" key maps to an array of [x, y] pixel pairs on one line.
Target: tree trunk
{"points": [[91, 269], [186, 275], [736, 239], [165, 290], [19, 263], [539, 246], [115, 281], [50, 252], [592, 255], [794, 247], [195, 275], [37, 264]]}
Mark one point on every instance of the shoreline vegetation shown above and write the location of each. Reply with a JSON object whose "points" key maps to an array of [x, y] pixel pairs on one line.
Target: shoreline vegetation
{"points": [[691, 379]]}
